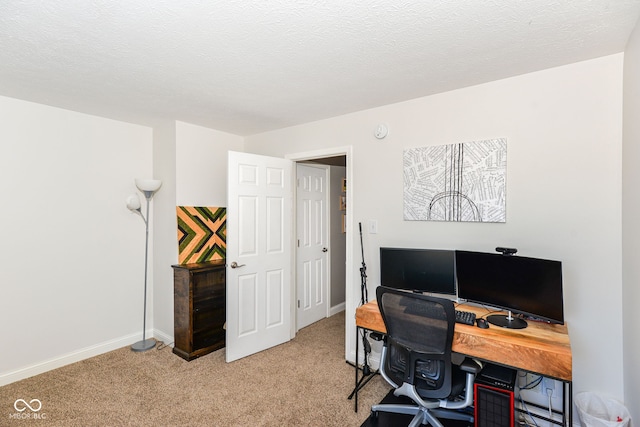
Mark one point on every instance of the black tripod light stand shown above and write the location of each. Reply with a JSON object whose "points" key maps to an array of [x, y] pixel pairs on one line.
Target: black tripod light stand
{"points": [[367, 373]]}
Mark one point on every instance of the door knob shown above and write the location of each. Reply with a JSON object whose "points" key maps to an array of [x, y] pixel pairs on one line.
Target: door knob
{"points": [[236, 265], [324, 249]]}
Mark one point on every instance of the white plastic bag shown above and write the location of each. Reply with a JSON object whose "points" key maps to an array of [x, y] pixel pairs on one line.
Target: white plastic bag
{"points": [[601, 411]]}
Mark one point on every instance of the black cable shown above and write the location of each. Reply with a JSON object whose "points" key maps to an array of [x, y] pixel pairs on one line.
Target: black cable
{"points": [[532, 384], [163, 345]]}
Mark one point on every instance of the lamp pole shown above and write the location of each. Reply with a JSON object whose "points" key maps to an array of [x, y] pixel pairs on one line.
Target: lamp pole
{"points": [[148, 188]]}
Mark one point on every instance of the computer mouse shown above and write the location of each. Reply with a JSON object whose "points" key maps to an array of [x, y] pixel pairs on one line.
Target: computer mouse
{"points": [[482, 323]]}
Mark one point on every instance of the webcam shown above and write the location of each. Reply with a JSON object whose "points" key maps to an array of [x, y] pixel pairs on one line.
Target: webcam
{"points": [[506, 251]]}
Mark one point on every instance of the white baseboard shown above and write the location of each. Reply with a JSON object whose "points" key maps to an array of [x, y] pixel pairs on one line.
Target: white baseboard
{"points": [[167, 339], [337, 309], [75, 356]]}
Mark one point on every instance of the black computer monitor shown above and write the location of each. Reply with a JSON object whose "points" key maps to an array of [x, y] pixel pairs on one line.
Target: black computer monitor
{"points": [[529, 286], [418, 270]]}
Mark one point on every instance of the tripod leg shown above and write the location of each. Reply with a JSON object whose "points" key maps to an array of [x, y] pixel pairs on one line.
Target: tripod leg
{"points": [[361, 383], [367, 373]]}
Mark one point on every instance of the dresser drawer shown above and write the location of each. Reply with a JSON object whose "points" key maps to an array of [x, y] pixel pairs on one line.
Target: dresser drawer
{"points": [[208, 283]]}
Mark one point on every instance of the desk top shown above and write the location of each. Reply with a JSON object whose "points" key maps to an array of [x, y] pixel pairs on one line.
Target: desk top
{"points": [[540, 348]]}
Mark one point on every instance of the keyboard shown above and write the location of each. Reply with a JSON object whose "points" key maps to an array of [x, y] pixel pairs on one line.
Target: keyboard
{"points": [[465, 317]]}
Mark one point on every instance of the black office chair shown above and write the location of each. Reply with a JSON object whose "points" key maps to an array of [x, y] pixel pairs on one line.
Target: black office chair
{"points": [[416, 358]]}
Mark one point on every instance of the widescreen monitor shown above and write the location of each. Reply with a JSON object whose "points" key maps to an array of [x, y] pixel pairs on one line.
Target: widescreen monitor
{"points": [[530, 286], [418, 270]]}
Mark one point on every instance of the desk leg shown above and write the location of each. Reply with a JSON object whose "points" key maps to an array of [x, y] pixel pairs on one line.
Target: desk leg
{"points": [[570, 400], [567, 403]]}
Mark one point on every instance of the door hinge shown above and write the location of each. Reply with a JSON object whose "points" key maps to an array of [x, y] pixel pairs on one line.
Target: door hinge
{"points": [[298, 303]]}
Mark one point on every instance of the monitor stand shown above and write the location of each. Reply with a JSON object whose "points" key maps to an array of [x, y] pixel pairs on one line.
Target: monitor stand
{"points": [[507, 321]]}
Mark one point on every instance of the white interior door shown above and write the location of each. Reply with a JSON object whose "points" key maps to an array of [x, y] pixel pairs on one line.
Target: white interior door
{"points": [[312, 267], [259, 253]]}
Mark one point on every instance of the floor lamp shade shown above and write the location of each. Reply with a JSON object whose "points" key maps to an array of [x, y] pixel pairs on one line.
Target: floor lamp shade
{"points": [[133, 202], [152, 185], [148, 187]]}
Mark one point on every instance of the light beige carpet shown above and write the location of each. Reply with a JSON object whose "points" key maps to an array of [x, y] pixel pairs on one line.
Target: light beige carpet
{"points": [[301, 383]]}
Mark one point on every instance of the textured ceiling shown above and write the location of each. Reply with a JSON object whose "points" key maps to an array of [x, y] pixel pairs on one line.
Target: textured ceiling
{"points": [[247, 66]]}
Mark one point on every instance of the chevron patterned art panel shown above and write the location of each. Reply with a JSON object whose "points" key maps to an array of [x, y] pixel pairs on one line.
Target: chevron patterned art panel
{"points": [[201, 234]]}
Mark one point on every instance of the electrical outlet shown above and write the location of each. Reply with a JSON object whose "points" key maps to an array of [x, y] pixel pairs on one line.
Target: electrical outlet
{"points": [[548, 384]]}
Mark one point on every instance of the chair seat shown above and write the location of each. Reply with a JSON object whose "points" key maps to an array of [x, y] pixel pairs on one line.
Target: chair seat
{"points": [[458, 380]]}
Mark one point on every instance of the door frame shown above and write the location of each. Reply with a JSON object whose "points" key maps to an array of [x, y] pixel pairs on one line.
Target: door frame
{"points": [[350, 298]]}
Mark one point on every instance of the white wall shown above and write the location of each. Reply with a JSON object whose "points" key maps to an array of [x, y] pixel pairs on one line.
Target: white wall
{"points": [[630, 224], [563, 188], [72, 254], [165, 225], [192, 161], [201, 165]]}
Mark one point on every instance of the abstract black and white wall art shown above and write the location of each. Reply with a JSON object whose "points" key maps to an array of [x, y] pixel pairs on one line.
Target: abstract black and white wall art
{"points": [[463, 182]]}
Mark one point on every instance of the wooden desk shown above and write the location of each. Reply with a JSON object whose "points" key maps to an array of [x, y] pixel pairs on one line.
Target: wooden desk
{"points": [[540, 348]]}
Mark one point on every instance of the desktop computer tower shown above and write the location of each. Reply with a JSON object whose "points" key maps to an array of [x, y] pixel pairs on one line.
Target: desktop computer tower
{"points": [[494, 398]]}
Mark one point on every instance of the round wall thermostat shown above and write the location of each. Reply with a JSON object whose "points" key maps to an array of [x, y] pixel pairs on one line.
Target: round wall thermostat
{"points": [[381, 131]]}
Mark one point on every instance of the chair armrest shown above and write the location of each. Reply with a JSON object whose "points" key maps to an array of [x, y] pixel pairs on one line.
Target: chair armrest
{"points": [[471, 366]]}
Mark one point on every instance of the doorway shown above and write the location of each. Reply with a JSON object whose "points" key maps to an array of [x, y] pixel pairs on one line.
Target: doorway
{"points": [[336, 227], [312, 243], [350, 297], [321, 238]]}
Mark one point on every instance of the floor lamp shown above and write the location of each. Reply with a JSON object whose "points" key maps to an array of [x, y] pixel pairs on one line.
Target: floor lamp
{"points": [[148, 188]]}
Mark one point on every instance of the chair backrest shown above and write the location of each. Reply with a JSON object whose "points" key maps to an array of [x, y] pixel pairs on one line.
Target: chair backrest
{"points": [[419, 337]]}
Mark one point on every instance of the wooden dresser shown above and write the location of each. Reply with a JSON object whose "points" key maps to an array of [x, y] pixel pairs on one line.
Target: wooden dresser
{"points": [[199, 308]]}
